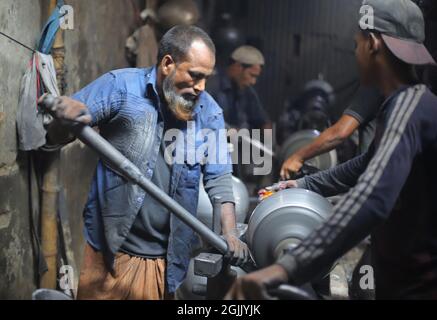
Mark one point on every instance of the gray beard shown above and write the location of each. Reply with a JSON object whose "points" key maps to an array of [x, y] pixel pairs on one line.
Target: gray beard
{"points": [[176, 102]]}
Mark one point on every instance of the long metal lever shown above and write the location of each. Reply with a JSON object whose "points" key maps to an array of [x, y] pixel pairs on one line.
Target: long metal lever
{"points": [[126, 168]]}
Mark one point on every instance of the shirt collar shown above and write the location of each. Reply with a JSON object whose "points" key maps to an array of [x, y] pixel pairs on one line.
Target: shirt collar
{"points": [[151, 88], [200, 103]]}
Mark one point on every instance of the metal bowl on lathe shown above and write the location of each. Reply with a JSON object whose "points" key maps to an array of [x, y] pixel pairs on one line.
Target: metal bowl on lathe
{"points": [[282, 221]]}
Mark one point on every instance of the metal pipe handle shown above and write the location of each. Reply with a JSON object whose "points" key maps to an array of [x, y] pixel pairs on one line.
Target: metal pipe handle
{"points": [[125, 167]]}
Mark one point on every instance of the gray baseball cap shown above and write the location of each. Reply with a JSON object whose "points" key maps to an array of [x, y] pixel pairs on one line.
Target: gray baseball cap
{"points": [[402, 27]]}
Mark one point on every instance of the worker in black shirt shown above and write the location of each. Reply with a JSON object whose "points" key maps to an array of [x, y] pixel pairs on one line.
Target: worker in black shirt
{"points": [[359, 116], [392, 187]]}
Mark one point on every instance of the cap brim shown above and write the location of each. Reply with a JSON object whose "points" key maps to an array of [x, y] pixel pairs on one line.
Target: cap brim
{"points": [[409, 51]]}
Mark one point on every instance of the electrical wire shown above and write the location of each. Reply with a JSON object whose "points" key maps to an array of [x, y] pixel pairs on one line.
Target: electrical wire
{"points": [[18, 42]]}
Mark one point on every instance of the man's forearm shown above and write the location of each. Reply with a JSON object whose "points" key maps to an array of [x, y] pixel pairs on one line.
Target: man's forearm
{"points": [[228, 218], [330, 138], [326, 142], [222, 187], [336, 180]]}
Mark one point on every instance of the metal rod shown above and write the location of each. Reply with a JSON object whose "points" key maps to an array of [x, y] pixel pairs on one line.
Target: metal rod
{"points": [[255, 143], [259, 145], [114, 157], [91, 138]]}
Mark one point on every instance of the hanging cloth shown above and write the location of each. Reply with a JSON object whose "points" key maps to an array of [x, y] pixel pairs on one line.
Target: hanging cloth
{"points": [[39, 77]]}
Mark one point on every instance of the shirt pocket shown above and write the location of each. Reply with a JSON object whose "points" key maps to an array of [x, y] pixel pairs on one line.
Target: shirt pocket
{"points": [[117, 201], [112, 179]]}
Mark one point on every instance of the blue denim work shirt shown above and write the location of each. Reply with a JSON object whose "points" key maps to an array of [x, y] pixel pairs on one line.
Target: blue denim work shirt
{"points": [[125, 105]]}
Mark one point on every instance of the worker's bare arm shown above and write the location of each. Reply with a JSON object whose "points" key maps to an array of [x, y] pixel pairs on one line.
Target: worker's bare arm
{"points": [[327, 141]]}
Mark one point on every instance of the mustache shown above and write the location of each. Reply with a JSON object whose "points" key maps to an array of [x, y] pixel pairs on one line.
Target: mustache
{"points": [[181, 105], [190, 97]]}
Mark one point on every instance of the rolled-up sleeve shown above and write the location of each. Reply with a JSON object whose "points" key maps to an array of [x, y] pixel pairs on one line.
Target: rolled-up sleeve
{"points": [[221, 187]]}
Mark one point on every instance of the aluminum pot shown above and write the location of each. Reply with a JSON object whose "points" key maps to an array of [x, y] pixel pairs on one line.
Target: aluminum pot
{"points": [[283, 221]]}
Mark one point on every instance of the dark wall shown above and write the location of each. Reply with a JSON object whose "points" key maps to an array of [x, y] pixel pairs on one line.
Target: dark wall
{"points": [[301, 40], [305, 39]]}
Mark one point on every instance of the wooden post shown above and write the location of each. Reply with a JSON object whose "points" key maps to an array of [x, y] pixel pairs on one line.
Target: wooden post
{"points": [[50, 185]]}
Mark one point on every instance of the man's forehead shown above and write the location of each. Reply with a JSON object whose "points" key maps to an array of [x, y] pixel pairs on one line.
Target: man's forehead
{"points": [[198, 46], [200, 53]]}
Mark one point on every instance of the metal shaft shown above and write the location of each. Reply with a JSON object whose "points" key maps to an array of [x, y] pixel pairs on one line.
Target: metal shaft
{"points": [[258, 145], [114, 157], [255, 143], [96, 142]]}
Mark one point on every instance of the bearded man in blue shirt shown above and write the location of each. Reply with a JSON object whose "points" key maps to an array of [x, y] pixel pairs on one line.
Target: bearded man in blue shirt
{"points": [[136, 249]]}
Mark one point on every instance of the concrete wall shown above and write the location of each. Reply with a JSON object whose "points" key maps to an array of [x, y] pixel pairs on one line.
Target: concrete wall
{"points": [[95, 46]]}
